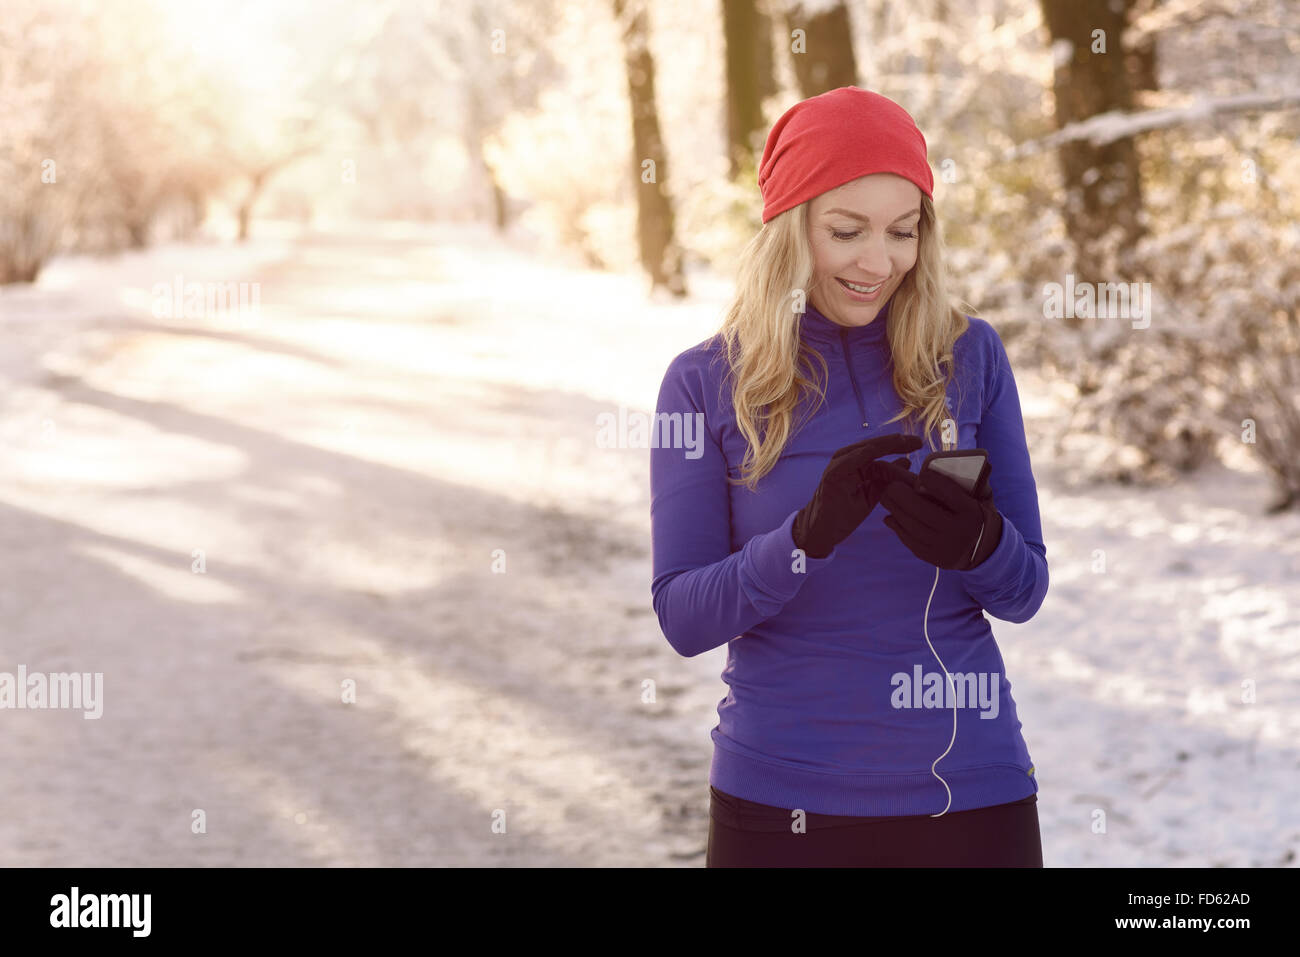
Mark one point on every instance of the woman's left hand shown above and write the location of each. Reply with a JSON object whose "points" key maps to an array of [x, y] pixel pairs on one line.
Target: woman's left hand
{"points": [[939, 521]]}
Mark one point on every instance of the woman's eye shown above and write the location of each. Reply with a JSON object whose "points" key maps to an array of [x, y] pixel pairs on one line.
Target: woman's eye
{"points": [[850, 235]]}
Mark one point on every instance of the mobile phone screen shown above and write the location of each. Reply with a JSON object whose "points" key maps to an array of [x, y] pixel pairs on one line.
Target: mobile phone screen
{"points": [[962, 469]]}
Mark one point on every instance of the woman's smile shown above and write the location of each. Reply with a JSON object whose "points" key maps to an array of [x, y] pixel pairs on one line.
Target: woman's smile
{"points": [[859, 292]]}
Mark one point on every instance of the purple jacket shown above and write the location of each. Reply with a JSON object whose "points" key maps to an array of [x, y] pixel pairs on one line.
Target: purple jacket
{"points": [[836, 703]]}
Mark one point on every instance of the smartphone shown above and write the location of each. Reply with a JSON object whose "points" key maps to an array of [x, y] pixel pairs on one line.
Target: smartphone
{"points": [[969, 468]]}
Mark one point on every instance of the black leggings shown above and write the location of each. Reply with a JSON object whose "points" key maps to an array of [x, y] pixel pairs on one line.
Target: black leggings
{"points": [[745, 834]]}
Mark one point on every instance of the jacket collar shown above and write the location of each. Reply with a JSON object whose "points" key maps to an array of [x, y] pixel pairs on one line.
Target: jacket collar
{"points": [[818, 328]]}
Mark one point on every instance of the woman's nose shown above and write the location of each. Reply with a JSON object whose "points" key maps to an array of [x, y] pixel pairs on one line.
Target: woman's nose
{"points": [[874, 261]]}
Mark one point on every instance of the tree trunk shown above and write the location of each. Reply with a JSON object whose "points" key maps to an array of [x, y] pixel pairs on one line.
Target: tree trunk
{"points": [[827, 61], [137, 232], [500, 207], [934, 59], [747, 35], [196, 205], [766, 61], [256, 182], [1102, 185], [32, 239], [660, 254], [476, 133], [1141, 59]]}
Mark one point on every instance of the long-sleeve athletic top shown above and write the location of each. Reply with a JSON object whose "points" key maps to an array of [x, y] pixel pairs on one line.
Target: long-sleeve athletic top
{"points": [[836, 704]]}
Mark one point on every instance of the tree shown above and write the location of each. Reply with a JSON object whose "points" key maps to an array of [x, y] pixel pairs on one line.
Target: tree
{"points": [[660, 254], [823, 53], [747, 31], [103, 125], [1102, 184]]}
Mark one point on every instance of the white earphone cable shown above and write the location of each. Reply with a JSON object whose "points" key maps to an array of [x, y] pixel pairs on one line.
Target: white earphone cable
{"points": [[926, 626], [952, 688]]}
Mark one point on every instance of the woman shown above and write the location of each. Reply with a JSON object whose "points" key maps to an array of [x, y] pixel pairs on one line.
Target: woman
{"points": [[868, 721]]}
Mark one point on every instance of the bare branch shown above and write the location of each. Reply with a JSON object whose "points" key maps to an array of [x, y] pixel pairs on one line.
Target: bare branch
{"points": [[1117, 125]]}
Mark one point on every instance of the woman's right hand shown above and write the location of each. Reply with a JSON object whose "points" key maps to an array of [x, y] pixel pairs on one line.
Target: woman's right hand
{"points": [[846, 494]]}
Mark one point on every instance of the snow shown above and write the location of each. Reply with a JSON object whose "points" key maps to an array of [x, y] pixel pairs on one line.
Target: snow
{"points": [[1104, 128], [414, 403]]}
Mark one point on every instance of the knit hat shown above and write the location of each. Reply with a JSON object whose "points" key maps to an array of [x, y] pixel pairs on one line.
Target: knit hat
{"points": [[828, 140]]}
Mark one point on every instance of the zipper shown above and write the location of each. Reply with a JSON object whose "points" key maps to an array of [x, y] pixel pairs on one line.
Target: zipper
{"points": [[844, 347]]}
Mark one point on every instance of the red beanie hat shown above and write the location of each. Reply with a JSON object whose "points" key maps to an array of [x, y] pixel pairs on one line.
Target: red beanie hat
{"points": [[828, 140]]}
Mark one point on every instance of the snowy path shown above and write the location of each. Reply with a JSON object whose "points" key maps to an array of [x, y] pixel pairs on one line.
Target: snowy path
{"points": [[407, 403]]}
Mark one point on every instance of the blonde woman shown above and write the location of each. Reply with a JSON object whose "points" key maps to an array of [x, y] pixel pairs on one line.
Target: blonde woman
{"points": [[869, 720]]}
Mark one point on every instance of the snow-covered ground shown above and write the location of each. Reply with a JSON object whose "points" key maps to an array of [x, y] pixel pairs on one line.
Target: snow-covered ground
{"points": [[412, 408]]}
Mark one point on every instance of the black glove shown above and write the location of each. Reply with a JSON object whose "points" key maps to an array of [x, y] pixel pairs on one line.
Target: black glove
{"points": [[939, 521], [844, 496]]}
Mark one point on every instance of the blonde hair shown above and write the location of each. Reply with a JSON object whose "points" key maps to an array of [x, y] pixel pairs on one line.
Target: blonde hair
{"points": [[767, 357]]}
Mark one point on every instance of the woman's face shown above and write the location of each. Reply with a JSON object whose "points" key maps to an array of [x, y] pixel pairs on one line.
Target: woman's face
{"points": [[866, 233]]}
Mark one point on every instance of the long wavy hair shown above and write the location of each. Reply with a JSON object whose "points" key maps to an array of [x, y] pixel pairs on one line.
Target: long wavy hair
{"points": [[771, 367]]}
